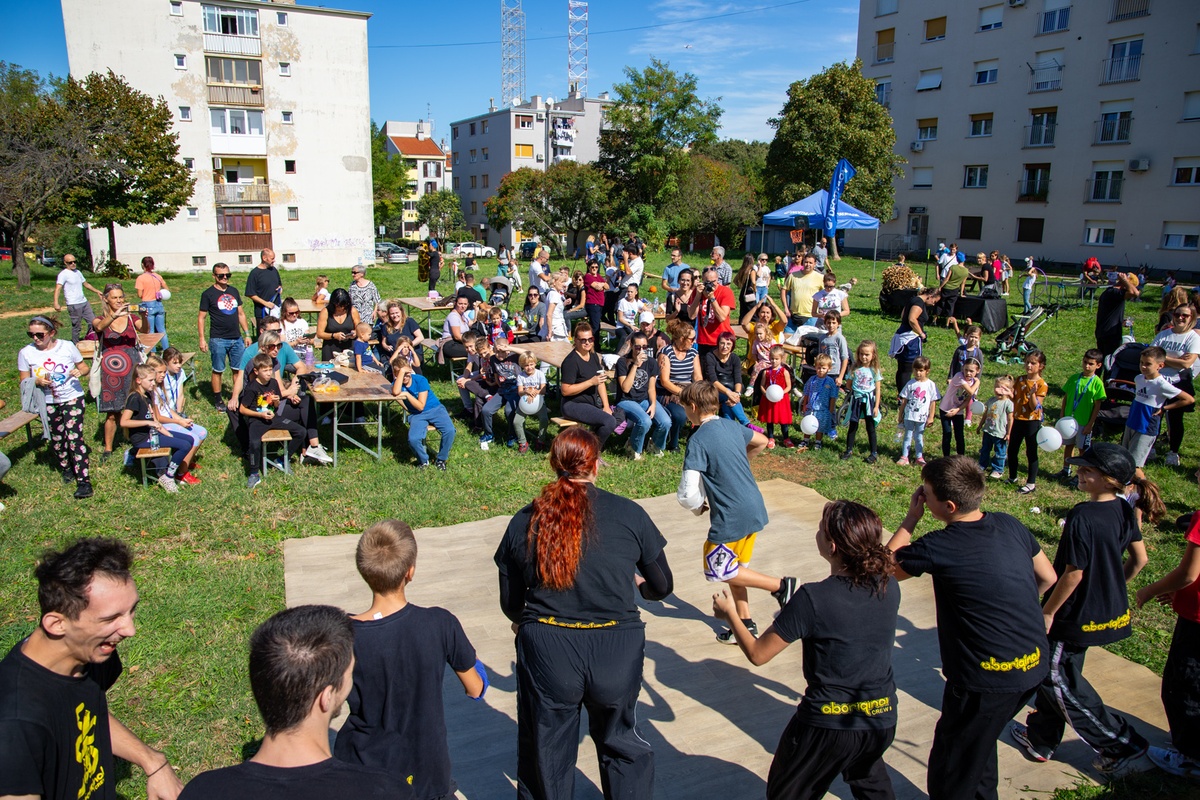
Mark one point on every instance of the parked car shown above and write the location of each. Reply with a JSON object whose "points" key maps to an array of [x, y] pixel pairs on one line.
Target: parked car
{"points": [[476, 249], [525, 249], [6, 254], [391, 253], [398, 256], [46, 258]]}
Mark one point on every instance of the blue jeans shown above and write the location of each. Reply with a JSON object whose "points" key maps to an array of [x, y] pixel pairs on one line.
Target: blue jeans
{"points": [[734, 412], [1025, 293], [220, 349], [492, 406], [993, 454], [643, 423], [156, 316], [760, 292], [678, 421], [914, 436], [418, 425]]}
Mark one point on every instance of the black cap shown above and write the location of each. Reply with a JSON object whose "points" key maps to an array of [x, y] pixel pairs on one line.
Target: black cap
{"points": [[1111, 459]]}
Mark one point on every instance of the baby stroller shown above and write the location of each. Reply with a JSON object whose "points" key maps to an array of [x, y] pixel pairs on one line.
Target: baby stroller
{"points": [[499, 291], [1012, 343], [1121, 368]]}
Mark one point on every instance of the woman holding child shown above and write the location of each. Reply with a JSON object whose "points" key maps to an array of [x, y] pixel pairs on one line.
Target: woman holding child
{"points": [[564, 565]]}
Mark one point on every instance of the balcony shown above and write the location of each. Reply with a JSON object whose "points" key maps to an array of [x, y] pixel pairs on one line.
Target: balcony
{"points": [[235, 96], [230, 45], [1102, 190], [239, 144], [1039, 136], [1113, 131], [885, 52], [241, 193], [1122, 70], [1129, 9], [1033, 190], [1046, 79], [1054, 21], [243, 242]]}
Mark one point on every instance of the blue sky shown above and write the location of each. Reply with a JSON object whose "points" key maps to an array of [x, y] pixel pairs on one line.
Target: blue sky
{"points": [[746, 59]]}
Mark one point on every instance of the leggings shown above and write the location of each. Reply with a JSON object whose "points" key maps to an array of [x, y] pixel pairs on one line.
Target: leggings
{"points": [[954, 423], [852, 430], [1024, 430], [903, 373], [588, 413], [66, 438], [783, 430]]}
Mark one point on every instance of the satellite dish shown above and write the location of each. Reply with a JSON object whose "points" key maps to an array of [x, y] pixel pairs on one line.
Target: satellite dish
{"points": [[516, 101]]}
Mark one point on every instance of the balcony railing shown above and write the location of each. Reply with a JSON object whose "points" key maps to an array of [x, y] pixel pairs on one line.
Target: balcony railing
{"points": [[235, 96], [242, 193], [244, 242], [1033, 189], [1046, 79], [1113, 131], [1039, 135], [1054, 21], [885, 52], [232, 45], [1102, 190], [1129, 9], [1122, 70]]}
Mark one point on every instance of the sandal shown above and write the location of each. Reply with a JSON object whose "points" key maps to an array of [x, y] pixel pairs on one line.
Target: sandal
{"points": [[1028, 488]]}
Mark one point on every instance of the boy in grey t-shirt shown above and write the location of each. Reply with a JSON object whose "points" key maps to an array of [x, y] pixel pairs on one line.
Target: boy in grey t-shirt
{"points": [[833, 344], [997, 426]]}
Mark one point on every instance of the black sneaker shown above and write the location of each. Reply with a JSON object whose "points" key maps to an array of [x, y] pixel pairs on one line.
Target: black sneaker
{"points": [[846, 455], [423, 465], [726, 635], [1062, 475], [1115, 765], [441, 465], [1020, 735], [871, 459], [83, 490], [220, 407], [68, 478], [787, 588]]}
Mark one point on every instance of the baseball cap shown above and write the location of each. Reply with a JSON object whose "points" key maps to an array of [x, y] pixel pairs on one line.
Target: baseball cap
{"points": [[1111, 459], [646, 316]]}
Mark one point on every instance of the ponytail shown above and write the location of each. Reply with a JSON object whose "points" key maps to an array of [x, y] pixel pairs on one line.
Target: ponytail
{"points": [[562, 513], [1149, 501], [857, 534]]}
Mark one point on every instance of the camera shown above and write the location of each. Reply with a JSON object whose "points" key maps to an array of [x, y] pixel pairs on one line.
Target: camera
{"points": [[710, 286]]}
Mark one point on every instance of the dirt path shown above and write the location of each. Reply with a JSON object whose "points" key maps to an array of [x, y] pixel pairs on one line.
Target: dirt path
{"points": [[28, 312]]}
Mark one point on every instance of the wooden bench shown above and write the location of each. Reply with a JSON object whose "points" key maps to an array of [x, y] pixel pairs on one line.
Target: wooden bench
{"points": [[144, 454], [283, 439], [189, 359], [564, 423], [16, 421]]}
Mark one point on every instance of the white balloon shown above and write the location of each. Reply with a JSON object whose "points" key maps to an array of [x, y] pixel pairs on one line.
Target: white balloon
{"points": [[809, 425], [164, 294], [1049, 439], [978, 407], [774, 393], [1068, 427], [530, 405]]}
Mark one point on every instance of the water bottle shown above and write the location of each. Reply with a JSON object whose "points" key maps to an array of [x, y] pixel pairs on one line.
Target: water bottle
{"points": [[308, 356], [153, 438]]}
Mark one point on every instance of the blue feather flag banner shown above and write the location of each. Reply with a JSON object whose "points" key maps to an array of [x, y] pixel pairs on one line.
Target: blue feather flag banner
{"points": [[842, 174]]}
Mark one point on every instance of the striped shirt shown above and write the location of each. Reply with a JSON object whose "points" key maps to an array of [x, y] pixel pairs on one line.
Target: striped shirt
{"points": [[682, 370]]}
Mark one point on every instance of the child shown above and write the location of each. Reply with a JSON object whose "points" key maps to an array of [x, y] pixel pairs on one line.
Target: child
{"points": [[1082, 395], [865, 391], [424, 409], [997, 427], [628, 308], [260, 399], [407, 354], [321, 295], [833, 344], [172, 384], [364, 357], [916, 411], [969, 349], [820, 396], [780, 411], [470, 381], [497, 326], [956, 402], [164, 410], [139, 420], [1180, 588], [1029, 391], [1087, 607], [716, 476], [1027, 284], [500, 373], [397, 718], [530, 383], [760, 352], [1154, 395]]}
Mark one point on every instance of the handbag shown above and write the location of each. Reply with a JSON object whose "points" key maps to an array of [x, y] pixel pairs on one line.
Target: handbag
{"points": [[94, 375]]}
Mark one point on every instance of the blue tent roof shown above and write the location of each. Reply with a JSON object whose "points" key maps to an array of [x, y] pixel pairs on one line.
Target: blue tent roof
{"points": [[812, 208]]}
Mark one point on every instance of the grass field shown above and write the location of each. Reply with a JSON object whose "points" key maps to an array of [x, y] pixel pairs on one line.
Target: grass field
{"points": [[210, 563]]}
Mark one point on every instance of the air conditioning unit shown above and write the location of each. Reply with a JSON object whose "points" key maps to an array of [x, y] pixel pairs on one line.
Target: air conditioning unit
{"points": [[917, 147], [216, 163], [540, 157], [541, 117], [1139, 164], [1015, 3]]}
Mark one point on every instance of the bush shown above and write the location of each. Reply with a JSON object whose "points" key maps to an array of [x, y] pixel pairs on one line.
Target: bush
{"points": [[115, 269]]}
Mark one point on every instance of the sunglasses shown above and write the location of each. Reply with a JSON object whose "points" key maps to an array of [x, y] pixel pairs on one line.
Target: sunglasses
{"points": [[36, 334], [220, 275], [1182, 316], [582, 340], [271, 347], [68, 262]]}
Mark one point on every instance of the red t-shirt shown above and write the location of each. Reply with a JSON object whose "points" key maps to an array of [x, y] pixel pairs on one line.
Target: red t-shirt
{"points": [[710, 328], [1187, 601]]}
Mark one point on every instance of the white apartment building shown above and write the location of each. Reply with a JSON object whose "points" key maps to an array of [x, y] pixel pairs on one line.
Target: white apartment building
{"points": [[271, 106], [533, 134], [1042, 127], [430, 171]]}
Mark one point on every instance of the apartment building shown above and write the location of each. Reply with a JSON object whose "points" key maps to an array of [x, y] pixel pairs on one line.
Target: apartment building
{"points": [[430, 171], [1042, 127], [272, 110], [532, 134]]}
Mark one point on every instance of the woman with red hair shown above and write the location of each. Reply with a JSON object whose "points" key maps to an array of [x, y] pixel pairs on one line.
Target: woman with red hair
{"points": [[566, 564]]}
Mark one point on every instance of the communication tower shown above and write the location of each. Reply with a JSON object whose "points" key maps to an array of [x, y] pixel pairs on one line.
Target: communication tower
{"points": [[512, 52], [577, 46]]}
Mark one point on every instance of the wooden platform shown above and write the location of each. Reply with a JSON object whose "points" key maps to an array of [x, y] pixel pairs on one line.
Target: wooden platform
{"points": [[713, 719]]}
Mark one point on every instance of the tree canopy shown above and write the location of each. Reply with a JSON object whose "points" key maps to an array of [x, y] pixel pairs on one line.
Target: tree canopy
{"points": [[714, 196], [440, 211], [567, 198]]}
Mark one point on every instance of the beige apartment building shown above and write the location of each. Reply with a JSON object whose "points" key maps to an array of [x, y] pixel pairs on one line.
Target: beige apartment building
{"points": [[1042, 127], [271, 105], [429, 171]]}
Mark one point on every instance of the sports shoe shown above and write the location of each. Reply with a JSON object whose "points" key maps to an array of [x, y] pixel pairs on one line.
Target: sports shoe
{"points": [[1172, 459], [1168, 759], [749, 392], [726, 635], [817, 446], [254, 480], [524, 448], [83, 490], [770, 444], [1062, 475], [316, 452], [920, 461], [511, 443], [787, 588], [1020, 735], [789, 443], [638, 456], [487, 438], [168, 483], [189, 479], [846, 455], [68, 478], [441, 465], [617, 431], [220, 407], [871, 459], [423, 465], [902, 461], [996, 475], [1115, 765]]}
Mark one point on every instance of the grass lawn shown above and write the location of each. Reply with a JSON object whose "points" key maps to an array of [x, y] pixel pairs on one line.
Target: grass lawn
{"points": [[210, 564]]}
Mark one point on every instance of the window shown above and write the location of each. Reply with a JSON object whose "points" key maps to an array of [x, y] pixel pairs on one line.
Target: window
{"points": [[975, 177], [1124, 61], [991, 17], [454, 181], [883, 92], [281, 19], [485, 180], [935, 29], [885, 7], [473, 182], [474, 158], [180, 61], [193, 213], [1191, 105], [431, 169], [410, 205], [289, 166], [1035, 183], [970, 228], [922, 177], [199, 261], [244, 220], [245, 258], [287, 117], [1185, 172], [483, 127], [1029, 229], [234, 71], [176, 8], [456, 158], [1102, 233], [885, 45], [430, 187], [285, 69], [1128, 9], [190, 163], [1046, 71], [472, 131], [474, 207], [1043, 122], [929, 80], [523, 150], [230, 21], [1181, 235], [524, 122], [483, 152], [986, 71], [981, 125], [1056, 17], [236, 121], [1107, 177], [293, 213], [1196, 46], [454, 132], [1116, 117], [927, 129], [185, 113]]}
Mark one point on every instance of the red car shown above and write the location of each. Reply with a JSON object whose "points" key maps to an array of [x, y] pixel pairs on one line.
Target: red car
{"points": [[5, 254]]}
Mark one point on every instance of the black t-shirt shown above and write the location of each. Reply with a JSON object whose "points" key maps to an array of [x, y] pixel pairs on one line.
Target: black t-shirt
{"points": [[922, 319], [264, 283], [576, 370], [252, 390], [1110, 313], [990, 628], [507, 367], [410, 328], [397, 721], [728, 374], [847, 635], [623, 538], [141, 410], [645, 375], [471, 293], [222, 309], [330, 779], [1094, 540], [54, 735]]}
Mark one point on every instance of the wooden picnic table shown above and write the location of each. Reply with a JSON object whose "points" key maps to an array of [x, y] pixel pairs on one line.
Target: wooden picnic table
{"points": [[307, 306], [360, 387], [87, 347], [424, 304]]}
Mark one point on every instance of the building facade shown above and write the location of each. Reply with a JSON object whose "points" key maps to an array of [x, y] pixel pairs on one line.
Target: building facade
{"points": [[1042, 128], [271, 106], [533, 134], [429, 172]]}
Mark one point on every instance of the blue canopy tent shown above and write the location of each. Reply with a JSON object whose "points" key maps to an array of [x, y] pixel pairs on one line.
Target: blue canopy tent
{"points": [[811, 212]]}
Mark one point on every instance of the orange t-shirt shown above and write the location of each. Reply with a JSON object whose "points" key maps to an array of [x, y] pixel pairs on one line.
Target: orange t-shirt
{"points": [[1028, 394], [148, 286]]}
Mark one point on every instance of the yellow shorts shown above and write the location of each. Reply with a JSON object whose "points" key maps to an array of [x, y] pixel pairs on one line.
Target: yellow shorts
{"points": [[722, 561]]}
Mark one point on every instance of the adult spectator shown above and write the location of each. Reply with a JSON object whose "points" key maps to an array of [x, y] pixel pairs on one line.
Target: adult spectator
{"points": [[223, 304], [614, 273], [670, 278], [594, 287], [457, 323], [504, 266], [1171, 300], [1089, 278], [539, 272], [678, 366], [573, 298], [71, 283], [149, 287], [118, 330], [744, 283], [435, 264], [765, 312], [363, 294], [336, 324], [59, 737], [533, 313], [762, 277], [584, 387], [911, 335], [724, 271], [946, 258], [830, 298], [564, 565], [656, 340], [723, 370], [554, 322], [1110, 312], [469, 291], [717, 304], [1182, 345], [952, 286], [634, 247], [687, 298], [264, 287], [301, 671], [424, 409], [589, 247], [396, 324], [635, 266], [798, 292], [56, 368], [637, 377], [820, 251]]}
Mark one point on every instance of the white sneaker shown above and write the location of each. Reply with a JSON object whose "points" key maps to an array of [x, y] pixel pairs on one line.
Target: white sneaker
{"points": [[1172, 459], [638, 456], [749, 392], [317, 453], [1174, 762], [168, 483]]}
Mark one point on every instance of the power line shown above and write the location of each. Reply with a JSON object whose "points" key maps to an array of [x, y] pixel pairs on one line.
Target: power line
{"points": [[597, 33]]}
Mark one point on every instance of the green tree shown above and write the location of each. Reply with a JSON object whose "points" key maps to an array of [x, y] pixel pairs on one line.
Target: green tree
{"points": [[568, 198], [441, 211], [829, 116], [389, 181], [750, 158], [714, 196]]}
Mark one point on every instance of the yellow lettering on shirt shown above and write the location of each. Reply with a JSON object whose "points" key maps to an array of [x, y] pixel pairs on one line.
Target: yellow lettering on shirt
{"points": [[1113, 624], [872, 708], [553, 621], [87, 754], [1023, 663]]}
